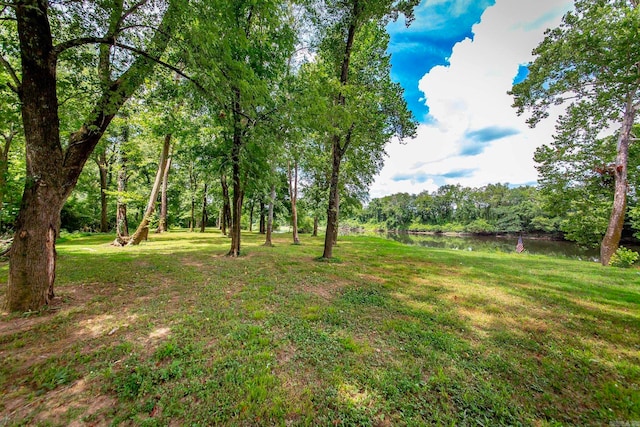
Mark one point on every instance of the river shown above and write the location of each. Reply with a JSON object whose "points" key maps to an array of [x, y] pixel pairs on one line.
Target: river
{"points": [[500, 244]]}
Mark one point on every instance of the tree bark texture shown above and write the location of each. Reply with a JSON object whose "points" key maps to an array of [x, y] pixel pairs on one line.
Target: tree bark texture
{"points": [[51, 173], [143, 228], [611, 239], [272, 202]]}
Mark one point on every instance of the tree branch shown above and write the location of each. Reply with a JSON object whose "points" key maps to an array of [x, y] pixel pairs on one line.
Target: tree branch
{"points": [[160, 62], [58, 49], [13, 75]]}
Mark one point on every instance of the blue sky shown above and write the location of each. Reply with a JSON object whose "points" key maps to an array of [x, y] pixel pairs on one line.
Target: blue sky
{"points": [[456, 63]]}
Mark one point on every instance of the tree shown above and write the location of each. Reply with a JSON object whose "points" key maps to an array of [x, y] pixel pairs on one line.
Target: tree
{"points": [[590, 64], [52, 167], [366, 106]]}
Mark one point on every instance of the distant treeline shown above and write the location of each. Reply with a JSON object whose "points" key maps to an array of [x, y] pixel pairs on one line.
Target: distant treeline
{"points": [[495, 208]]}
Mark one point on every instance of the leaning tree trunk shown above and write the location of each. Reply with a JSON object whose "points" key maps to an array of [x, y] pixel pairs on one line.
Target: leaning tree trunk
{"points": [[162, 223], [611, 239], [143, 228], [272, 202]]}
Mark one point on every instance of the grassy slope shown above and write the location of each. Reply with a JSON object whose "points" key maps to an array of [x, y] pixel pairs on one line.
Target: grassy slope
{"points": [[173, 331]]}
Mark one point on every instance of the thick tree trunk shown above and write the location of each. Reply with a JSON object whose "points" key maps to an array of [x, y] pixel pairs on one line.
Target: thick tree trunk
{"points": [[611, 239], [162, 223], [293, 196], [272, 202], [33, 254], [102, 167], [143, 228], [226, 205], [203, 222]]}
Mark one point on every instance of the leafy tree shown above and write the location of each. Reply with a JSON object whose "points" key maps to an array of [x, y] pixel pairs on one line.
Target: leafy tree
{"points": [[590, 63], [47, 34], [366, 109]]}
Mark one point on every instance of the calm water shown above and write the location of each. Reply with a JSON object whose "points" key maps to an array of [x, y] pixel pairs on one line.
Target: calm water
{"points": [[498, 244]]}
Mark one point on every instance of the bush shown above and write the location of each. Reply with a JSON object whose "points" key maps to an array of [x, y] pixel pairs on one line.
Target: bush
{"points": [[624, 258]]}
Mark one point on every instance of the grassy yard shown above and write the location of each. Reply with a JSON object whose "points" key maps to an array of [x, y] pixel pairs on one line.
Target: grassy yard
{"points": [[174, 333]]}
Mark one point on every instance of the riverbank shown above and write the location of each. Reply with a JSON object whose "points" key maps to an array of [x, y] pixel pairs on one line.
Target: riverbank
{"points": [[174, 332]]}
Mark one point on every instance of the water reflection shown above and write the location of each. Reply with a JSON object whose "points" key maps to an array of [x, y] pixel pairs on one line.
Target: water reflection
{"points": [[497, 244]]}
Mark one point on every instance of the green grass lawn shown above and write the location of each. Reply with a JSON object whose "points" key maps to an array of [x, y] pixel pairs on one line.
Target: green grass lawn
{"points": [[173, 332]]}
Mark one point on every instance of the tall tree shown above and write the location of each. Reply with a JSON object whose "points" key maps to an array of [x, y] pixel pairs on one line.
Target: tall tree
{"points": [[368, 107], [53, 168], [591, 63]]}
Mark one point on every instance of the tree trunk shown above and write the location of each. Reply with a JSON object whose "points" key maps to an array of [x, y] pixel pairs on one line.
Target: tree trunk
{"points": [[293, 196], [251, 216], [122, 225], [238, 190], [226, 205], [315, 226], [332, 211], [611, 239], [203, 223], [143, 227], [102, 167], [272, 202], [162, 223], [263, 222], [238, 195]]}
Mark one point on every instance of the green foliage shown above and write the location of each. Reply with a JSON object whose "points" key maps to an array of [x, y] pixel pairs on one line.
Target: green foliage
{"points": [[624, 258], [480, 226]]}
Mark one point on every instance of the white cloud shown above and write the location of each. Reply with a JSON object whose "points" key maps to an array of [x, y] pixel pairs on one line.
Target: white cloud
{"points": [[470, 95]]}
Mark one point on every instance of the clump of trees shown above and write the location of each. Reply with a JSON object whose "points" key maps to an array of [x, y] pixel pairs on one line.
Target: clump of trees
{"points": [[213, 107]]}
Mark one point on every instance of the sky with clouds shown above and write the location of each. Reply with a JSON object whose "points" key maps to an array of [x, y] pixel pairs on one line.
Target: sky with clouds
{"points": [[456, 63]]}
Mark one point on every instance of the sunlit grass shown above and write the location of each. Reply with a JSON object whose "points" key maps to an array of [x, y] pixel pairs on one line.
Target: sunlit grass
{"points": [[173, 331]]}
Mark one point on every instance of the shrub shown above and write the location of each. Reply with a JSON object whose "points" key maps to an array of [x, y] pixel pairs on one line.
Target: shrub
{"points": [[624, 258]]}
